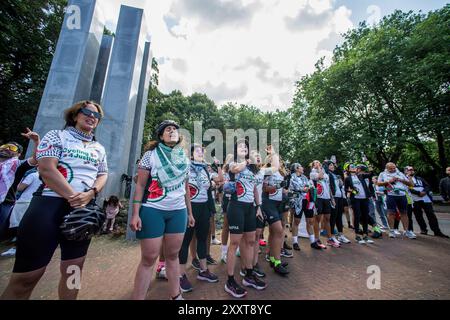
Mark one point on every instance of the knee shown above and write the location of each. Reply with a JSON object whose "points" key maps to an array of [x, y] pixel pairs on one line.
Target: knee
{"points": [[250, 243], [148, 260]]}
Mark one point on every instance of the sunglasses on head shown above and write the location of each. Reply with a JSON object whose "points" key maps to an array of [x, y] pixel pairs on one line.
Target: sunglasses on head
{"points": [[10, 147], [89, 113]]}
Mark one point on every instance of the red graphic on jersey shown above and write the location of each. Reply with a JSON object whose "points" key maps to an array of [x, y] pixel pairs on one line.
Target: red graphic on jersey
{"points": [[319, 189], [193, 191], [240, 189], [156, 192]]}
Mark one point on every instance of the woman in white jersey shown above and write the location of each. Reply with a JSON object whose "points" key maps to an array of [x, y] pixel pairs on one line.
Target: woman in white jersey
{"points": [[72, 166], [242, 221], [161, 207], [199, 185]]}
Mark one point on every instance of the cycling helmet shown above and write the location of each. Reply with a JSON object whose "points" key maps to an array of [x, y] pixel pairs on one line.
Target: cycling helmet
{"points": [[160, 128], [82, 223]]}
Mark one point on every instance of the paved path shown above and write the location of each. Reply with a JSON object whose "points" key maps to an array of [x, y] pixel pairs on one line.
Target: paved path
{"points": [[410, 269]]}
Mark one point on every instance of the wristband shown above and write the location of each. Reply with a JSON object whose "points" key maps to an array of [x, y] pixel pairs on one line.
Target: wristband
{"points": [[137, 201]]}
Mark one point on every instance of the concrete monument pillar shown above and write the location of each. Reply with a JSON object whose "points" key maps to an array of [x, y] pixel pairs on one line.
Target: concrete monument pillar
{"points": [[120, 95], [72, 69], [101, 68]]}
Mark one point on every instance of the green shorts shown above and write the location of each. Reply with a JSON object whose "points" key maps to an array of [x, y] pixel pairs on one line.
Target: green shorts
{"points": [[156, 222]]}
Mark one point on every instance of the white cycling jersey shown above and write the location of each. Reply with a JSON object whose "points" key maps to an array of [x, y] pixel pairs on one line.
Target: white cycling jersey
{"points": [[159, 197], [79, 162]]}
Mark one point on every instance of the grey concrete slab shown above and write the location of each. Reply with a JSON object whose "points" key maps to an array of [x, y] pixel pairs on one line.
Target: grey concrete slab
{"points": [[120, 94], [101, 68], [72, 70]]}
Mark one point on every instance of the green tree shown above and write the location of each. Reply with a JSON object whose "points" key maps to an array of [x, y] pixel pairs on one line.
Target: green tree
{"points": [[30, 30]]}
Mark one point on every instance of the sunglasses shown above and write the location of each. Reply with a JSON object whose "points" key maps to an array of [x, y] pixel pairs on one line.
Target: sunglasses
{"points": [[89, 113], [10, 147]]}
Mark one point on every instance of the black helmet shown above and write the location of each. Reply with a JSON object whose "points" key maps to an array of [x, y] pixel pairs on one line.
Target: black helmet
{"points": [[160, 128], [81, 224]]}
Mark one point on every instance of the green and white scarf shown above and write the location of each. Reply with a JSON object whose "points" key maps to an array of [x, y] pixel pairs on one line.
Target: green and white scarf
{"points": [[172, 166]]}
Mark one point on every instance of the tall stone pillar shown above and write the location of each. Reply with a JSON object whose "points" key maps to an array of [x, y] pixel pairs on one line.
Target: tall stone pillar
{"points": [[72, 69], [101, 68], [141, 104], [138, 127], [120, 94]]}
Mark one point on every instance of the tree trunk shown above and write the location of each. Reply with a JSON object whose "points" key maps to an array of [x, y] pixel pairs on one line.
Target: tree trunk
{"points": [[441, 152]]}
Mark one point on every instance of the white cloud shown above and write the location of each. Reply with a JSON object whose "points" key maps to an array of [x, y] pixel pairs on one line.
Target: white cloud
{"points": [[252, 57]]}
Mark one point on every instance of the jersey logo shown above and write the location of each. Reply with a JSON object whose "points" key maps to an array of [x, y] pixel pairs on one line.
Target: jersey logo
{"points": [[156, 192], [193, 191], [240, 189]]}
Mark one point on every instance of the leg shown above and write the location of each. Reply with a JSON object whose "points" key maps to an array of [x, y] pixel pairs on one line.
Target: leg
{"points": [[21, 285], [258, 233], [67, 290], [409, 210], [184, 251], [235, 240], [340, 209], [356, 207], [149, 253], [202, 224], [172, 245], [364, 208], [418, 214], [432, 220], [326, 224], [247, 249], [276, 239]]}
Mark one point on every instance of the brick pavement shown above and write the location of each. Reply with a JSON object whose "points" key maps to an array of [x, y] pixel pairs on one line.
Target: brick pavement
{"points": [[410, 269]]}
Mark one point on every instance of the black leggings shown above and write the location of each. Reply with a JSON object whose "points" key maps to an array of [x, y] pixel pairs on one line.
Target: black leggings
{"points": [[361, 213], [38, 235], [409, 211], [201, 215], [336, 215], [432, 220]]}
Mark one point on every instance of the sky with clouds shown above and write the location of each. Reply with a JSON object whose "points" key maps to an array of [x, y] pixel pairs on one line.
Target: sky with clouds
{"points": [[249, 51]]}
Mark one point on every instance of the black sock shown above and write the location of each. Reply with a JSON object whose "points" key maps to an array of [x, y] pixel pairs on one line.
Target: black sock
{"points": [[249, 272], [231, 279]]}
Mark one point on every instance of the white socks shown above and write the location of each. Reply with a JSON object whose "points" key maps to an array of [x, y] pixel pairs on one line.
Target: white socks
{"points": [[312, 239], [294, 239], [224, 250]]}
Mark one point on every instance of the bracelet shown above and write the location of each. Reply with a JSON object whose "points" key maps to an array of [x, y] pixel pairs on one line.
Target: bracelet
{"points": [[137, 201]]}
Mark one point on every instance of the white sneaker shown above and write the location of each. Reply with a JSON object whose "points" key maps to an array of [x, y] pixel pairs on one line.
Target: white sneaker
{"points": [[162, 273], [336, 241], [215, 241], [410, 234], [392, 234], [9, 253], [368, 240], [343, 239], [397, 233]]}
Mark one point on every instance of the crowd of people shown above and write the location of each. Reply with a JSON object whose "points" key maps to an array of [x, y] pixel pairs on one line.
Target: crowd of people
{"points": [[173, 206]]}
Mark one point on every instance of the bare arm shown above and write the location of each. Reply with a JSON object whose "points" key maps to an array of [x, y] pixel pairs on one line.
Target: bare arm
{"points": [[238, 167], [191, 220], [22, 186]]}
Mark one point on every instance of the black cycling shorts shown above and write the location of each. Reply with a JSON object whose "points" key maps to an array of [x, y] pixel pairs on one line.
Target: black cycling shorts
{"points": [[241, 217], [39, 235], [309, 213], [323, 206], [272, 210]]}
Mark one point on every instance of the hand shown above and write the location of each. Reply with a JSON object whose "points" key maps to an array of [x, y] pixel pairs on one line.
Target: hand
{"points": [[191, 221], [81, 199], [31, 135], [216, 161], [136, 223], [259, 214], [422, 194], [269, 149], [333, 202], [393, 180]]}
